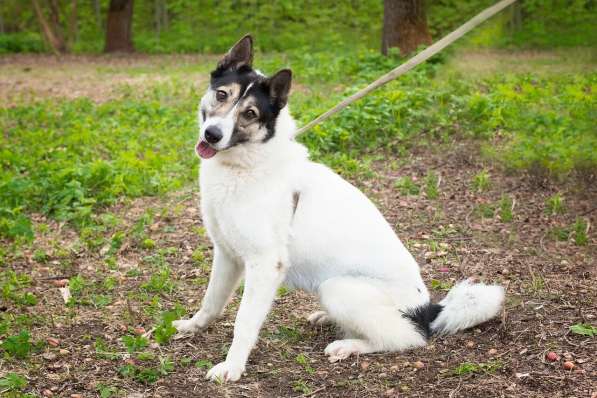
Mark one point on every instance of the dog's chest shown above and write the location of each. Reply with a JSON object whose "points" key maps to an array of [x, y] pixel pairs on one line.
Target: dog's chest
{"points": [[244, 212]]}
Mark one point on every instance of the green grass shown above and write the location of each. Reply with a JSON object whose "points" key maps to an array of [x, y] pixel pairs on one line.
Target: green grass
{"points": [[72, 159]]}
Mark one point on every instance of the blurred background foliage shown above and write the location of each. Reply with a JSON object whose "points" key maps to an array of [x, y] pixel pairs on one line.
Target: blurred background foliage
{"points": [[188, 26]]}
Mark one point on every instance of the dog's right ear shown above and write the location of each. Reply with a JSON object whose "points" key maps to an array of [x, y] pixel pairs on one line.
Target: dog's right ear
{"points": [[239, 55]]}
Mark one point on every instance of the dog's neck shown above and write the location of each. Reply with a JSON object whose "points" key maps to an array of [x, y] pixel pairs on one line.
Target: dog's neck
{"points": [[278, 150]]}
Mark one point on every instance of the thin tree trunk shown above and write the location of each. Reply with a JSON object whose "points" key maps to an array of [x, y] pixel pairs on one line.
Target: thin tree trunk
{"points": [[157, 9], [404, 26], [118, 27], [53, 38], [98, 13], [73, 29]]}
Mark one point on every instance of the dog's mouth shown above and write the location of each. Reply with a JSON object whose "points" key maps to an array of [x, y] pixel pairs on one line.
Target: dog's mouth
{"points": [[204, 150]]}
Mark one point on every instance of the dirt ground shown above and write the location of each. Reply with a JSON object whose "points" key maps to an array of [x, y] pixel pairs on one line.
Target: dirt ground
{"points": [[550, 286]]}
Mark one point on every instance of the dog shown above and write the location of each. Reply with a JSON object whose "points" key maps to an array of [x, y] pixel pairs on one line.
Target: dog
{"points": [[276, 217]]}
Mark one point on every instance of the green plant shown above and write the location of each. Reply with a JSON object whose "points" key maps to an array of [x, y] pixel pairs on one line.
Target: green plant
{"points": [[440, 285], [481, 181], [159, 282], [555, 204], [204, 364], [580, 227], [303, 360], [106, 391], [505, 208], [164, 330], [134, 343], [302, 387], [18, 346], [407, 186], [12, 382], [468, 367], [485, 210], [584, 329], [432, 185]]}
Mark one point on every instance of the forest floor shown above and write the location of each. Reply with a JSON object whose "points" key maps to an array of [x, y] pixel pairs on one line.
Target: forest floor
{"points": [[461, 226]]}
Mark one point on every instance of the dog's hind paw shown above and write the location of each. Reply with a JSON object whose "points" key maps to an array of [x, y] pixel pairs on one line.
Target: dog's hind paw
{"points": [[319, 318], [342, 349]]}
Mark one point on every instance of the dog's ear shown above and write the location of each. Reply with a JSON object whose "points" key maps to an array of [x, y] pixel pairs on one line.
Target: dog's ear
{"points": [[239, 55], [279, 87]]}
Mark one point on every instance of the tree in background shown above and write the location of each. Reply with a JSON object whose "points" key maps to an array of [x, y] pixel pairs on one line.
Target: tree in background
{"points": [[119, 27], [404, 26], [50, 27]]}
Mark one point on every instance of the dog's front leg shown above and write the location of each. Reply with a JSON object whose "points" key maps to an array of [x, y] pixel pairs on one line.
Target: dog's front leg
{"points": [[225, 276], [263, 275]]}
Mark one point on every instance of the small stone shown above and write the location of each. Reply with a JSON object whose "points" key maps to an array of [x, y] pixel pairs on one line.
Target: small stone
{"points": [[62, 351], [470, 344], [47, 393], [60, 282], [139, 330], [390, 393], [54, 342], [364, 365], [492, 351], [552, 356], [567, 356], [76, 396], [568, 365], [419, 365], [383, 375], [394, 368], [48, 356]]}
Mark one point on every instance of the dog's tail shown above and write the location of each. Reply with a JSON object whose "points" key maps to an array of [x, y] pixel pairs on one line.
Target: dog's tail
{"points": [[466, 305]]}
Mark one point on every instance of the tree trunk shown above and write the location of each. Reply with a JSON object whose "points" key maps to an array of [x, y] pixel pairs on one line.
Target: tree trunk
{"points": [[73, 28], [53, 37], [98, 13], [157, 9], [118, 28], [404, 26]]}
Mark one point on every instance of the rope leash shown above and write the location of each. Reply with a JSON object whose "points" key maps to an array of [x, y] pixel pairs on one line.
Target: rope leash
{"points": [[411, 63]]}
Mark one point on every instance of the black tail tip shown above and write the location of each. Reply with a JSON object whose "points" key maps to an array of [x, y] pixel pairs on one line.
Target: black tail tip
{"points": [[422, 316]]}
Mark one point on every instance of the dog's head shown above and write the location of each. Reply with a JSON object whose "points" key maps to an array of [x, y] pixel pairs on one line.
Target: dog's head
{"points": [[241, 105]]}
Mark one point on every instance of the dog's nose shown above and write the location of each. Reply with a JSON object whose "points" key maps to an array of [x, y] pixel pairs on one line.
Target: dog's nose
{"points": [[213, 134]]}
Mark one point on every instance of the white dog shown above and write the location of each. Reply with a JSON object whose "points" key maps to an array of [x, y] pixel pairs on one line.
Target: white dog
{"points": [[276, 217]]}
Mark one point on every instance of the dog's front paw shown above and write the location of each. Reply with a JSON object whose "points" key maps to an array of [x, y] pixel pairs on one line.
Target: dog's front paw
{"points": [[225, 371], [186, 327]]}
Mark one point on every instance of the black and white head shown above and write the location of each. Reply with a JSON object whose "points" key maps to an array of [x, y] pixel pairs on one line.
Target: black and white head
{"points": [[241, 105]]}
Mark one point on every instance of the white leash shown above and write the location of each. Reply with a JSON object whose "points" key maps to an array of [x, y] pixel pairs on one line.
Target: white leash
{"points": [[411, 63]]}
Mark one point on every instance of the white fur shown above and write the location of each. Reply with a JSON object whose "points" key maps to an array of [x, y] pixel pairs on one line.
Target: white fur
{"points": [[337, 245], [467, 305]]}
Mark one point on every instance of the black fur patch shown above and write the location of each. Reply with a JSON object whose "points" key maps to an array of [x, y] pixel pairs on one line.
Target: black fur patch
{"points": [[244, 76], [422, 316]]}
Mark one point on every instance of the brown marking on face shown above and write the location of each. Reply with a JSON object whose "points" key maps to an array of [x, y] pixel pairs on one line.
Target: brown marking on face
{"points": [[248, 128], [217, 108]]}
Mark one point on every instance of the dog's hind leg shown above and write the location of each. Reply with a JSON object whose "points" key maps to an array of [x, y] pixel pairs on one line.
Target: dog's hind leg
{"points": [[366, 309]]}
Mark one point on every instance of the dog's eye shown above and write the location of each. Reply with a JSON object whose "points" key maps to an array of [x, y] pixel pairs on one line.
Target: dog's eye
{"points": [[250, 114], [221, 95]]}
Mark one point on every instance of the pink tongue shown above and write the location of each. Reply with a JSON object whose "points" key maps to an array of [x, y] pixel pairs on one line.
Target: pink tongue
{"points": [[204, 150]]}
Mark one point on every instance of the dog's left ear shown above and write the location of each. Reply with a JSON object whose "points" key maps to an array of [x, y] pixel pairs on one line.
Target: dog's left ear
{"points": [[239, 55], [279, 87]]}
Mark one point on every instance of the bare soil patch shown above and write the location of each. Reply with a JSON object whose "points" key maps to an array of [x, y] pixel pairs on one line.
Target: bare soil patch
{"points": [[26, 78]]}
